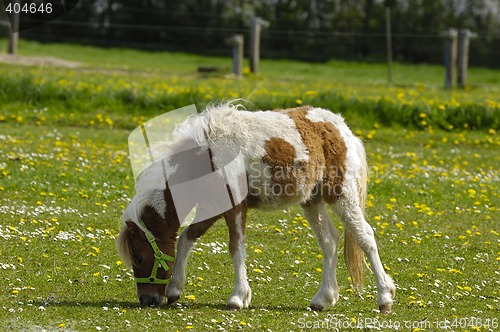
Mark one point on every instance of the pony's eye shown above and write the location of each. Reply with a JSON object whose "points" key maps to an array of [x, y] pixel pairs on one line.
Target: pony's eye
{"points": [[139, 260]]}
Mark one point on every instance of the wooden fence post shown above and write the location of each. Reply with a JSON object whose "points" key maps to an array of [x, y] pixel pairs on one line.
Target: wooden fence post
{"points": [[464, 37], [389, 43], [450, 56], [13, 32], [236, 41], [256, 24]]}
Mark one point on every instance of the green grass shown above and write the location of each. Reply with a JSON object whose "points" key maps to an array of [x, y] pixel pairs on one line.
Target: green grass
{"points": [[65, 179], [186, 64], [121, 88], [434, 203]]}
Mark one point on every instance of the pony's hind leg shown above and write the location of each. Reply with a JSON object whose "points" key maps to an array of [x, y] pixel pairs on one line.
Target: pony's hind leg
{"points": [[236, 222], [185, 244], [353, 219], [327, 236]]}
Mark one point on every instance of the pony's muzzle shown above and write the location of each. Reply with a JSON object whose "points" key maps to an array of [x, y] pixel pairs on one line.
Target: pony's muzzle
{"points": [[150, 300]]}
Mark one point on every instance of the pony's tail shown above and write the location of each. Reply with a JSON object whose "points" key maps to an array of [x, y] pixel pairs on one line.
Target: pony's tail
{"points": [[354, 259], [353, 255]]}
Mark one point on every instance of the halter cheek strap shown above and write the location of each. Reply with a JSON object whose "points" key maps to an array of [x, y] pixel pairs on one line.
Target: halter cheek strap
{"points": [[160, 259]]}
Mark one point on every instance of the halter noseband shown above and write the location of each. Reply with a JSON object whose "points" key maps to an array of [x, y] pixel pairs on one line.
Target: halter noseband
{"points": [[160, 259]]}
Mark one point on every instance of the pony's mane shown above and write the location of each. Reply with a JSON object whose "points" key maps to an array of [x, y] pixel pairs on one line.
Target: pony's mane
{"points": [[150, 184], [123, 248], [199, 127]]}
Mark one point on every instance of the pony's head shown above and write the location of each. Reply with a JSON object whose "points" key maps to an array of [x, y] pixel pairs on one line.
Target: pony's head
{"points": [[182, 169], [146, 242], [148, 247]]}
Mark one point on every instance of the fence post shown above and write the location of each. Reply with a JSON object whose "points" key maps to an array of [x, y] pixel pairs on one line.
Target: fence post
{"points": [[13, 32], [450, 56], [389, 43], [256, 24], [236, 41], [464, 37]]}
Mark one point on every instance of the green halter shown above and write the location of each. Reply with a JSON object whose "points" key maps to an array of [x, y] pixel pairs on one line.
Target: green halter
{"points": [[160, 259]]}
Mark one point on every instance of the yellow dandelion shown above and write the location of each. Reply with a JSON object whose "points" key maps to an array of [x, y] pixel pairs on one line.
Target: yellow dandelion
{"points": [[454, 271]]}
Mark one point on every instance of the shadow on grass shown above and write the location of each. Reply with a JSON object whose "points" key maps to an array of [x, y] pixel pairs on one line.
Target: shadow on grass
{"points": [[164, 306]]}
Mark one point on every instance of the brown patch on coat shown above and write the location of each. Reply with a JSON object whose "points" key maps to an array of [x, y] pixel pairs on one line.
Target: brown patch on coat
{"points": [[279, 153], [327, 152], [280, 156]]}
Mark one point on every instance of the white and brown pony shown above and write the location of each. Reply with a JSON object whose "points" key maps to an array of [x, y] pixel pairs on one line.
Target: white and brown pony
{"points": [[304, 155]]}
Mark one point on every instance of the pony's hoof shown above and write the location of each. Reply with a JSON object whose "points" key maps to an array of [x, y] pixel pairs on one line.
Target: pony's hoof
{"points": [[232, 307], [316, 307], [172, 300], [237, 302], [234, 303], [385, 309]]}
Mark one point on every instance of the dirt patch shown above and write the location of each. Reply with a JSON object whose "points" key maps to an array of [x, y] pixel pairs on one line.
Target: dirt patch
{"points": [[37, 61]]}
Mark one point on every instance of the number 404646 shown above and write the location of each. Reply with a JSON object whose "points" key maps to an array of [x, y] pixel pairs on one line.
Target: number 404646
{"points": [[29, 8]]}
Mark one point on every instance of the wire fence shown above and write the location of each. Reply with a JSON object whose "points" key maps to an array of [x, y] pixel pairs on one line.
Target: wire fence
{"points": [[426, 46]]}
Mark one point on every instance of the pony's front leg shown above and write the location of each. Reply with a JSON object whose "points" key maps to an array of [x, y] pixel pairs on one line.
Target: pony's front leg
{"points": [[236, 222], [185, 244], [176, 285]]}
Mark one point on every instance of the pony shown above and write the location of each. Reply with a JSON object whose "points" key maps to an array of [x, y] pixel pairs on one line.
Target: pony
{"points": [[304, 155]]}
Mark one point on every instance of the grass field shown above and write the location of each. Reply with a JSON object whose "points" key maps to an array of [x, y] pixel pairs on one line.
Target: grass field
{"points": [[434, 200], [130, 86]]}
